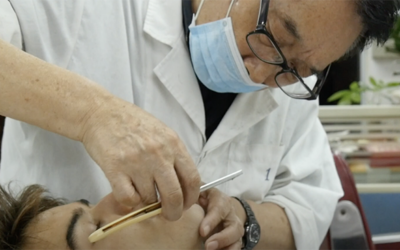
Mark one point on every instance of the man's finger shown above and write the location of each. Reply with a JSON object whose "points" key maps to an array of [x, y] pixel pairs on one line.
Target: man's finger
{"points": [[124, 190], [171, 193], [146, 189], [228, 237], [189, 178], [217, 211], [236, 246], [210, 222], [203, 202]]}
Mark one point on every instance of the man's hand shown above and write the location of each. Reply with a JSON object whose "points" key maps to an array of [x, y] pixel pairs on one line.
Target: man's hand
{"points": [[138, 153], [222, 225]]}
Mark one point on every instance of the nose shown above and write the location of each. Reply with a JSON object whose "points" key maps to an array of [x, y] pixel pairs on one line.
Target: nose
{"points": [[261, 72], [108, 209]]}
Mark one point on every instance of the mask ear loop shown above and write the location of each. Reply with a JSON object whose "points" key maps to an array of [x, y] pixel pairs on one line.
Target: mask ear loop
{"points": [[230, 7], [198, 11], [201, 5]]}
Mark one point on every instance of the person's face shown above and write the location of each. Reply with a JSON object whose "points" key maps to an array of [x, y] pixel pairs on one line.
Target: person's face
{"points": [[69, 226], [325, 31]]}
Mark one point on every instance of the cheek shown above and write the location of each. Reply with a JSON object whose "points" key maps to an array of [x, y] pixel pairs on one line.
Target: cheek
{"points": [[128, 238], [261, 72], [157, 233], [242, 45], [241, 31], [195, 215]]}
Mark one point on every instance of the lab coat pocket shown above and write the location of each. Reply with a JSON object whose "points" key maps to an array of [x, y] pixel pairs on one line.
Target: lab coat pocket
{"points": [[259, 163]]}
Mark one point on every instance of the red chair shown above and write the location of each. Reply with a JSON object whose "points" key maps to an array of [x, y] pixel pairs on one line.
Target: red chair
{"points": [[387, 242], [349, 228], [1, 131]]}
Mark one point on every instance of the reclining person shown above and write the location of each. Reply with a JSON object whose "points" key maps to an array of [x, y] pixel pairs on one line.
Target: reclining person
{"points": [[34, 220]]}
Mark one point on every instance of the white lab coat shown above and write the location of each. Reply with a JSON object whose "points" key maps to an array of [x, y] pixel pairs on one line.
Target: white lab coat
{"points": [[136, 50]]}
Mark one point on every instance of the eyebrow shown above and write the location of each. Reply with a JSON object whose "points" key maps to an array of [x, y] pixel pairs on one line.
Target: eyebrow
{"points": [[76, 215], [291, 26]]}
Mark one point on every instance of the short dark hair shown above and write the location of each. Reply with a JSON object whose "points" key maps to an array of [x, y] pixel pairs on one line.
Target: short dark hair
{"points": [[378, 18], [16, 212]]}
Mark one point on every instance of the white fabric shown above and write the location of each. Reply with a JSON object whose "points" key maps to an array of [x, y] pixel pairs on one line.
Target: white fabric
{"points": [[9, 28], [136, 49]]}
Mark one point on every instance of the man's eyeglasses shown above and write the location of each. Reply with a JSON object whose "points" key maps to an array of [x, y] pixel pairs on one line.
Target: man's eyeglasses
{"points": [[263, 45]]}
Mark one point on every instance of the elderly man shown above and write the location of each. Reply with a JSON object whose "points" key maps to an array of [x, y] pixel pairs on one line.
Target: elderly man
{"points": [[217, 85]]}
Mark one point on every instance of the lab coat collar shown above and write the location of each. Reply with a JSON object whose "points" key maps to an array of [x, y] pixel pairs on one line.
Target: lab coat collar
{"points": [[164, 23], [164, 20], [247, 110]]}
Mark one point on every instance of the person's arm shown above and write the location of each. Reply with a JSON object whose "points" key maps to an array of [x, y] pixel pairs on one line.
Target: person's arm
{"points": [[307, 185], [228, 217], [46, 96], [135, 150], [276, 232], [299, 207]]}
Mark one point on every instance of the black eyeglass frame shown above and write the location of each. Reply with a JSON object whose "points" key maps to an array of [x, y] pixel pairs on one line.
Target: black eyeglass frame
{"points": [[261, 29]]}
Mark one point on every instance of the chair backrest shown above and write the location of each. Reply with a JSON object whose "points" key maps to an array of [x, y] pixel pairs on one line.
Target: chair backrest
{"points": [[349, 228]]}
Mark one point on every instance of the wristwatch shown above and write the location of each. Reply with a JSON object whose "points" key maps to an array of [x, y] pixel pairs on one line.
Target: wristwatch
{"points": [[252, 230]]}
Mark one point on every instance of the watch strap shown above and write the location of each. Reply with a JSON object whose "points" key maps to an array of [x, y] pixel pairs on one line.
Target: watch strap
{"points": [[250, 220], [249, 212]]}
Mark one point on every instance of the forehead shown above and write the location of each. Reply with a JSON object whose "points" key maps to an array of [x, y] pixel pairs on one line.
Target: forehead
{"points": [[327, 27], [312, 11], [48, 230]]}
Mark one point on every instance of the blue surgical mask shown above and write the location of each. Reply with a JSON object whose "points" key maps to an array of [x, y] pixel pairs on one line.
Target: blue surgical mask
{"points": [[216, 58]]}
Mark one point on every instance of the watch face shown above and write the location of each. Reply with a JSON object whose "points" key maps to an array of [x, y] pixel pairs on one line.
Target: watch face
{"points": [[254, 233]]}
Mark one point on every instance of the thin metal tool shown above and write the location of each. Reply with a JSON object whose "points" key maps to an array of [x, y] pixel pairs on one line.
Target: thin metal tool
{"points": [[148, 212], [220, 180]]}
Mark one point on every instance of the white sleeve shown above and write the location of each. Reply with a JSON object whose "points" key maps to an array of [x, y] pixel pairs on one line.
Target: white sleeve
{"points": [[307, 185], [9, 27]]}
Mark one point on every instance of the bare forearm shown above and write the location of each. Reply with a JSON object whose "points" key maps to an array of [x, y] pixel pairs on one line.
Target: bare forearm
{"points": [[276, 232], [45, 95]]}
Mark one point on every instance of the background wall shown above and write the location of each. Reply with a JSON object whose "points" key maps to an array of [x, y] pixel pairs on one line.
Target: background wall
{"points": [[376, 62], [372, 62]]}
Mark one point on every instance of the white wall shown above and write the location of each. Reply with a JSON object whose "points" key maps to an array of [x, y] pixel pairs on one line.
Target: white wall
{"points": [[380, 65]]}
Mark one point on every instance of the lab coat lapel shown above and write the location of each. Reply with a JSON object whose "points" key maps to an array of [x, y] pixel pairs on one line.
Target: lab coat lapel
{"points": [[176, 73], [245, 111], [164, 23]]}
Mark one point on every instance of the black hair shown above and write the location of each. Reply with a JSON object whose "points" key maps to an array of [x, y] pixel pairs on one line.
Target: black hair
{"points": [[378, 18], [17, 211]]}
